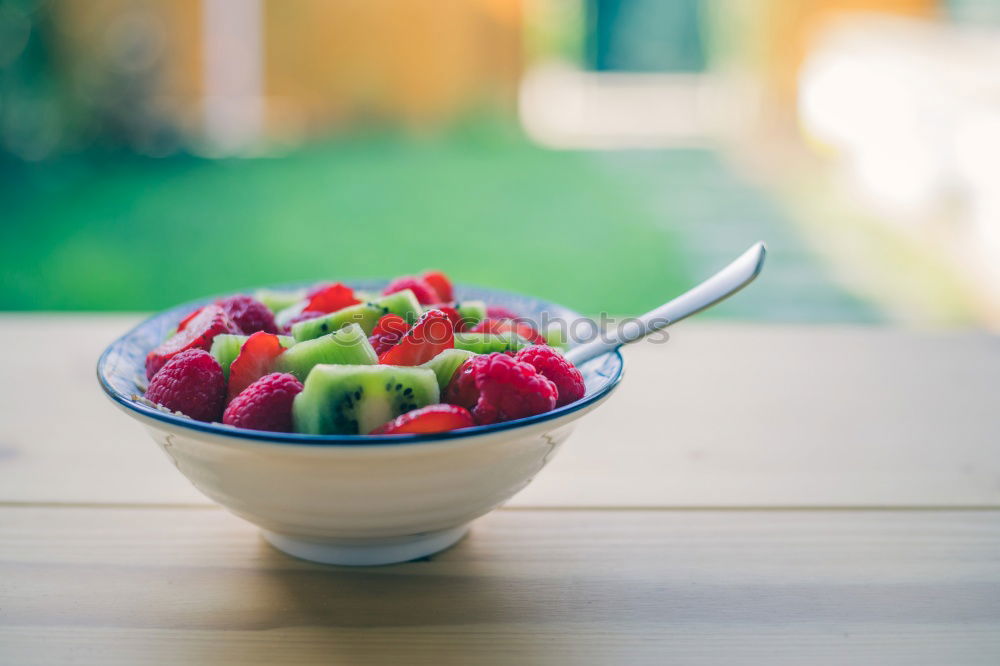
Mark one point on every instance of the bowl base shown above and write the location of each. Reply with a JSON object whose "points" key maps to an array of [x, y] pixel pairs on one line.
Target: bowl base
{"points": [[366, 552]]}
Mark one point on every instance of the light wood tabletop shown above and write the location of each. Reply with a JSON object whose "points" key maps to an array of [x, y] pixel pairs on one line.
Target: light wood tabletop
{"points": [[752, 494]]}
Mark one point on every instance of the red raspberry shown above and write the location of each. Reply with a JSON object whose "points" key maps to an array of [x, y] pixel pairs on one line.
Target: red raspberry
{"points": [[424, 292], [192, 383], [461, 390], [553, 365], [507, 389], [302, 316], [249, 314], [265, 405], [199, 332]]}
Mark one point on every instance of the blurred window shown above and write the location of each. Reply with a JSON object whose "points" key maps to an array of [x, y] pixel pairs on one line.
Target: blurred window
{"points": [[645, 36]]}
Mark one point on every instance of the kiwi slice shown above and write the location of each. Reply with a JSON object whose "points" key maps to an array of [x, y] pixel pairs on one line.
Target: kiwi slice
{"points": [[486, 343], [226, 347], [348, 346], [446, 363], [277, 301], [356, 399], [555, 336], [472, 312], [366, 315]]}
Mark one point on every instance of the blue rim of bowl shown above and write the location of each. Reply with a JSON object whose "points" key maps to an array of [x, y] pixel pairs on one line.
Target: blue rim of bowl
{"points": [[599, 366]]}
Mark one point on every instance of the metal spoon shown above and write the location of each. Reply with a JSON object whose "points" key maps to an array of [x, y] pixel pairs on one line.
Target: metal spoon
{"points": [[720, 286]]}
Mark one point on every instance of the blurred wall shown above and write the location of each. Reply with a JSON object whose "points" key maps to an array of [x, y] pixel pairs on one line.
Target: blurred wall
{"points": [[324, 64], [333, 63]]}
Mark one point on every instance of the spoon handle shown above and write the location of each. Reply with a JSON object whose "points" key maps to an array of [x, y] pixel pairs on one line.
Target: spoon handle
{"points": [[723, 284]]}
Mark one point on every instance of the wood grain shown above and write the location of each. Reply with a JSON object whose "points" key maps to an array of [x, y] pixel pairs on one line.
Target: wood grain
{"points": [[159, 585], [723, 416], [107, 556]]}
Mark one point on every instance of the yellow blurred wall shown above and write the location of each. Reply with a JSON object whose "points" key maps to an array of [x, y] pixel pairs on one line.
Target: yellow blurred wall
{"points": [[399, 60], [326, 63]]}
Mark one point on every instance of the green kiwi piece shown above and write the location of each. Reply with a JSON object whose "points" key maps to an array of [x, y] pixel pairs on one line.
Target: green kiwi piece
{"points": [[348, 346], [554, 336], [356, 399], [226, 347], [446, 363], [487, 343], [366, 315], [277, 301], [472, 312]]}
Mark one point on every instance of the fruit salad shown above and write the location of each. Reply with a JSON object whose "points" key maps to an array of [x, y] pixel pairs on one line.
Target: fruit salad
{"points": [[334, 361]]}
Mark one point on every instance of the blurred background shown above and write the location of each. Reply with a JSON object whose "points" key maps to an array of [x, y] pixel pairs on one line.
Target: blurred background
{"points": [[605, 154]]}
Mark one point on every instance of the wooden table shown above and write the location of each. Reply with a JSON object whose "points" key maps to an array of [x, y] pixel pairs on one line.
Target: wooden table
{"points": [[753, 494]]}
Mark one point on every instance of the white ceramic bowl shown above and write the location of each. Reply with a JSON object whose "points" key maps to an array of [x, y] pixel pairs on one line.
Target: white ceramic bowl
{"points": [[355, 500]]}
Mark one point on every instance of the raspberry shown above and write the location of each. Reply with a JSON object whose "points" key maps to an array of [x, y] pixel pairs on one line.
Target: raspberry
{"points": [[191, 382], [461, 390], [249, 314], [199, 332], [554, 366], [302, 316], [424, 292], [507, 389], [265, 405]]}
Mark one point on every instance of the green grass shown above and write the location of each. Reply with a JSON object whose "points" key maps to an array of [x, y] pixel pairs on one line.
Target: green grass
{"points": [[485, 206]]}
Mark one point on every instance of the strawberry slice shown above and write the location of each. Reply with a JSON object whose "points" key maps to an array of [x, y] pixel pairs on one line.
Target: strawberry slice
{"points": [[331, 298], [184, 322], [199, 331], [440, 283], [431, 335], [391, 323], [433, 418], [526, 331], [256, 358], [425, 293], [387, 332], [500, 312], [316, 288], [457, 321]]}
